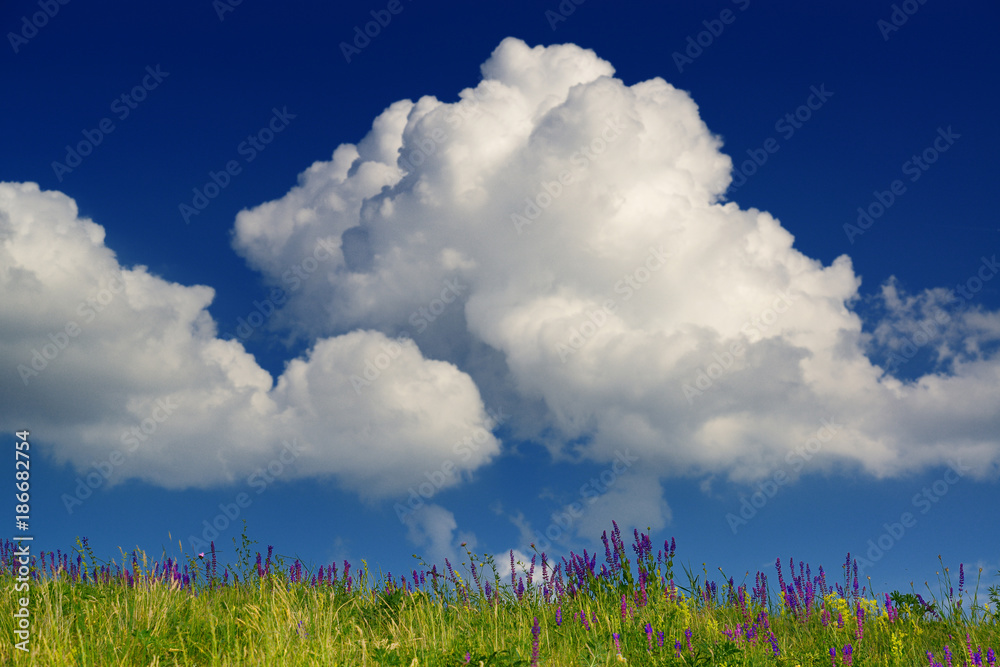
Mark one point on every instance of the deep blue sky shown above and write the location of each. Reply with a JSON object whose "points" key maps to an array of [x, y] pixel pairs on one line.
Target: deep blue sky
{"points": [[889, 99]]}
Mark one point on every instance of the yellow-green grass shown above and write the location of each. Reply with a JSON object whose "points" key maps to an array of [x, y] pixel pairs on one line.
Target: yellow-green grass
{"points": [[282, 618]]}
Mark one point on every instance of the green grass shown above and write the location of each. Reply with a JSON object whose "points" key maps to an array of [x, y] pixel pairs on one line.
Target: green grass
{"points": [[132, 613]]}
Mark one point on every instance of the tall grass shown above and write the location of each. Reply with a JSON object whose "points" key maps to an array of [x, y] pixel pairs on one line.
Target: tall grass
{"points": [[627, 610]]}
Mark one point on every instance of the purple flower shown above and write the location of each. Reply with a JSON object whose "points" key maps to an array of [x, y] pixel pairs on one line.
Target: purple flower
{"points": [[848, 654], [660, 636], [535, 631], [833, 656], [618, 647], [558, 616], [677, 648], [687, 635]]}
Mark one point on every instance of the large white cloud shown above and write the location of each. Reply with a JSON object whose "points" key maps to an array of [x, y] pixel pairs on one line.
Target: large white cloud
{"points": [[116, 367], [606, 283], [556, 244]]}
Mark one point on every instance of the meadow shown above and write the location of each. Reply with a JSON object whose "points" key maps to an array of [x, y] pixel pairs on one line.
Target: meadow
{"points": [[626, 610]]}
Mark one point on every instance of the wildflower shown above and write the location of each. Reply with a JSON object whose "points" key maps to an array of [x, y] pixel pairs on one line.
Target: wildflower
{"points": [[660, 635], [558, 616], [535, 631], [677, 648], [618, 647], [848, 655], [687, 635], [833, 656], [649, 637]]}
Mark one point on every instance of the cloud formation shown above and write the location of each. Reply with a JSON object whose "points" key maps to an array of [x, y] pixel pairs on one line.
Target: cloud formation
{"points": [[554, 243], [612, 294], [102, 358]]}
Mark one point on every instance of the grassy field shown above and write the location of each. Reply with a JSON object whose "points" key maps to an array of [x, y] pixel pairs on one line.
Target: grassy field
{"points": [[572, 611]]}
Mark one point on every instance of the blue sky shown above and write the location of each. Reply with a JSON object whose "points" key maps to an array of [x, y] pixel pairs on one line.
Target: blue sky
{"points": [[714, 252]]}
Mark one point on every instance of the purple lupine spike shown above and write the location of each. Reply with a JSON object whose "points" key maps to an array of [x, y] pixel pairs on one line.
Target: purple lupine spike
{"points": [[649, 637], [513, 572], [535, 632], [659, 636], [677, 648], [618, 646]]}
